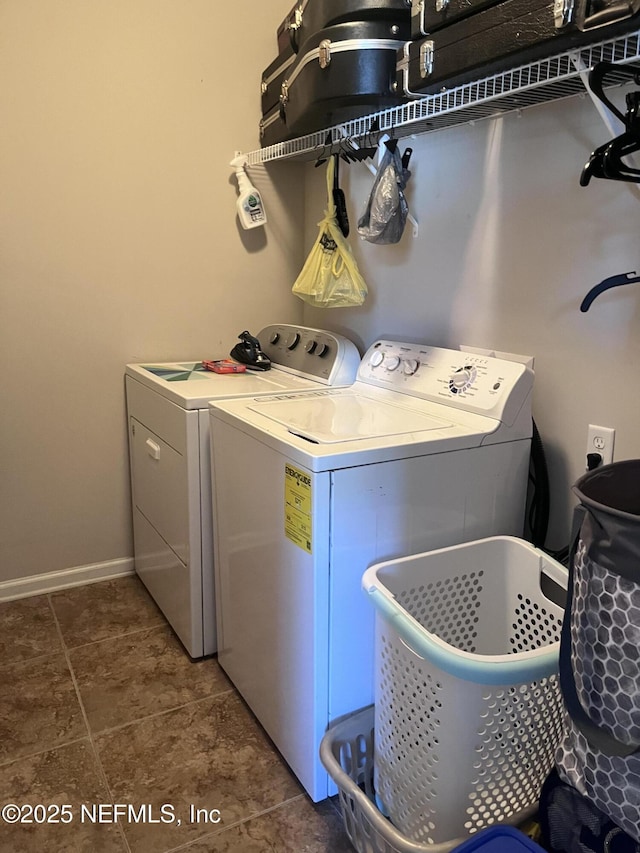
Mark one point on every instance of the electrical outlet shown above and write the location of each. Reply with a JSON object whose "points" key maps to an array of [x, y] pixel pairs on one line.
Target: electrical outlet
{"points": [[601, 440]]}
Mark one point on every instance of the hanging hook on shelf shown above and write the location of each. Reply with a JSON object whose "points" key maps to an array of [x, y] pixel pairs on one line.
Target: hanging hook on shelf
{"points": [[598, 74], [607, 161], [326, 151], [607, 284]]}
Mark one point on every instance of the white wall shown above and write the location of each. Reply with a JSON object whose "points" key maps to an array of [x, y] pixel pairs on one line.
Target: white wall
{"points": [[509, 244], [118, 241]]}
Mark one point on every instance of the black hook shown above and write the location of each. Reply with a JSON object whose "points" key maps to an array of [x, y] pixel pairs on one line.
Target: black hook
{"points": [[598, 74], [322, 158], [347, 151], [606, 160], [370, 142], [607, 284]]}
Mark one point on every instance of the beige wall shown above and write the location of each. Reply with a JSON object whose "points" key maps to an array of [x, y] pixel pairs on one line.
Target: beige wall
{"points": [[118, 241], [509, 244]]}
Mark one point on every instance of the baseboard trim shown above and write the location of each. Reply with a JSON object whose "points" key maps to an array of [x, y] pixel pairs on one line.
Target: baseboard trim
{"points": [[65, 578]]}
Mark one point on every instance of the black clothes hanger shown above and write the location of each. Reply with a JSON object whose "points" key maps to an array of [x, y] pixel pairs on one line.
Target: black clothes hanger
{"points": [[359, 153], [607, 284], [607, 160], [326, 149], [348, 151], [370, 146], [620, 74]]}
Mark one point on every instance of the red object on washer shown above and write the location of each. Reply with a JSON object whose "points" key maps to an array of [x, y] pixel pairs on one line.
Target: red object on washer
{"points": [[224, 366]]}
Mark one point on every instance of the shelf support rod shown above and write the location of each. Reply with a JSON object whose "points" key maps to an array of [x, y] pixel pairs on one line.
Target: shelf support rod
{"points": [[613, 125]]}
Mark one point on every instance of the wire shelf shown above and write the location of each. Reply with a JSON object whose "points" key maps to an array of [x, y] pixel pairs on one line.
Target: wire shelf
{"points": [[559, 76]]}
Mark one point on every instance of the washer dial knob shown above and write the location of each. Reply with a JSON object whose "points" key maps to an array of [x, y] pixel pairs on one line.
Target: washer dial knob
{"points": [[323, 349], [293, 341], [393, 362], [461, 379], [275, 337], [410, 366], [376, 359], [310, 346]]}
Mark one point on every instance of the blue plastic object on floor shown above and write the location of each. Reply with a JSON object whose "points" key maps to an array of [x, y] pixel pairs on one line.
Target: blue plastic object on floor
{"points": [[499, 839]]}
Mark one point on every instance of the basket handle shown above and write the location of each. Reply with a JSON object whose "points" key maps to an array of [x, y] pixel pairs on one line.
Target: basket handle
{"points": [[455, 662]]}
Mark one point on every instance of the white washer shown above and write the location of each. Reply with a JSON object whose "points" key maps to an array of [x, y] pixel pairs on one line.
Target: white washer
{"points": [[429, 447], [170, 463]]}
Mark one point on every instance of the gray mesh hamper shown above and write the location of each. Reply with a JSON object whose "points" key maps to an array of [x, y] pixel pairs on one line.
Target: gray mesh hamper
{"points": [[468, 711]]}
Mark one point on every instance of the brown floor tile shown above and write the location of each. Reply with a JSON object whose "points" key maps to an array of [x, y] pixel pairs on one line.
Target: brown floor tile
{"points": [[211, 754], [126, 678], [27, 629], [295, 827], [39, 707], [67, 775], [101, 610]]}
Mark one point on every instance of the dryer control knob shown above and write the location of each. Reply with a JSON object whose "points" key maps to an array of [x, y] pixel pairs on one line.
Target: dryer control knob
{"points": [[376, 359], [323, 349], [275, 337], [310, 346], [393, 362], [410, 366], [293, 341]]}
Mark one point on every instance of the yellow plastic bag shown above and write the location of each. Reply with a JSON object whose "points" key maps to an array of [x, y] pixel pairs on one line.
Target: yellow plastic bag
{"points": [[330, 277]]}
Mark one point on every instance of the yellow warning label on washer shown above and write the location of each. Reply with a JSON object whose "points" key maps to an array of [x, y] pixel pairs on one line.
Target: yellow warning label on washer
{"points": [[297, 507]]}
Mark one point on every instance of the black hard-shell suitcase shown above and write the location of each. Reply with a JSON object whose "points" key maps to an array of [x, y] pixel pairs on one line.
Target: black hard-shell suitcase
{"points": [[506, 35], [345, 71], [310, 16], [430, 15], [273, 77], [283, 36], [273, 128]]}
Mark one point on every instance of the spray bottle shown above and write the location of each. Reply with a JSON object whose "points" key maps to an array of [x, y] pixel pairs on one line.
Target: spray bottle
{"points": [[250, 208]]}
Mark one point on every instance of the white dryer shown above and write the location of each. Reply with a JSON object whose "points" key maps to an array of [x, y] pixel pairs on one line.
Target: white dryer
{"points": [[170, 463], [430, 447]]}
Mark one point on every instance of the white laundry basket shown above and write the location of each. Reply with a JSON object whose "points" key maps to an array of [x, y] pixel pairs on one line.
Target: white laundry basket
{"points": [[468, 712]]}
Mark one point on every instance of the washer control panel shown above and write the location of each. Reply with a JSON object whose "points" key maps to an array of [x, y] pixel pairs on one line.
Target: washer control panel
{"points": [[478, 383], [315, 353]]}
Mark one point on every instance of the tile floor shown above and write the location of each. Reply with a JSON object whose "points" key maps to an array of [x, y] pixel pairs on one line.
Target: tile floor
{"points": [[99, 705]]}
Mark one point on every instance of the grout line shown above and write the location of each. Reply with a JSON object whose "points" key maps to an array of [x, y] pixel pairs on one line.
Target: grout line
{"points": [[115, 636], [236, 823], [39, 658], [163, 713], [36, 659], [46, 749], [101, 772]]}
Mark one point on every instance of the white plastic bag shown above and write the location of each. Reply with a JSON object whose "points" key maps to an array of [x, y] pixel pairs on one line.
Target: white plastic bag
{"points": [[330, 277]]}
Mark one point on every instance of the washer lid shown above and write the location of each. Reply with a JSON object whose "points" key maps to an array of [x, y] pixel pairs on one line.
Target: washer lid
{"points": [[348, 417]]}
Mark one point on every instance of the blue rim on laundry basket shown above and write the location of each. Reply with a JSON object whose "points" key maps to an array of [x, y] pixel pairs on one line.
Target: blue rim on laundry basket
{"points": [[481, 669]]}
